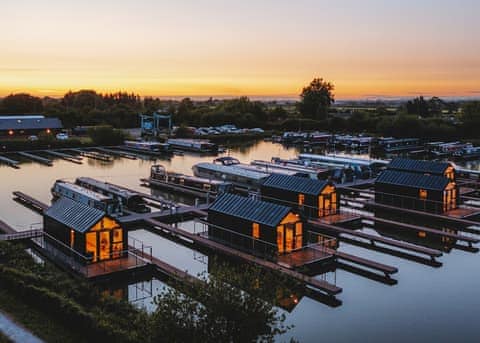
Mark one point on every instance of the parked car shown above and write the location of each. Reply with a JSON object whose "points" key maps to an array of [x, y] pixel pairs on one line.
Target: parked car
{"points": [[32, 138], [62, 136]]}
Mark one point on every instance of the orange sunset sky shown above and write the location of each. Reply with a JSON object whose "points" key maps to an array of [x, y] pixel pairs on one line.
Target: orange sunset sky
{"points": [[228, 48]]}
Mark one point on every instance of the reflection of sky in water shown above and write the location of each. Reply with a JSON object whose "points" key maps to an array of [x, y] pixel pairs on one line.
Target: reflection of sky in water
{"points": [[427, 304]]}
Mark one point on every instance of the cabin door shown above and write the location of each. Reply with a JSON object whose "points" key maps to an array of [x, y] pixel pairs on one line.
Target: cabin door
{"points": [[280, 240], [104, 245], [91, 245], [449, 199], [289, 242]]}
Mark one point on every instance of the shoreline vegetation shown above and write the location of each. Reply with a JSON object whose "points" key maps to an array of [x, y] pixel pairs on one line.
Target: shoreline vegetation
{"points": [[432, 118], [59, 308]]}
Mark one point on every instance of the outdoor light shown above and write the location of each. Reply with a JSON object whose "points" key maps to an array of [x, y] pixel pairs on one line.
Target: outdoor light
{"points": [[10, 132], [48, 130]]}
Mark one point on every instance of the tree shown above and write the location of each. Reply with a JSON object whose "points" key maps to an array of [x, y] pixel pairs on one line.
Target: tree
{"points": [[471, 118], [316, 99], [21, 103]]}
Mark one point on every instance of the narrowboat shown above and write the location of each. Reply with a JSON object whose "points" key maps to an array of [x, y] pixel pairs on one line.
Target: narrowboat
{"points": [[192, 185], [467, 152], [129, 200], [394, 145], [86, 196], [195, 145], [310, 172], [241, 178], [146, 147]]}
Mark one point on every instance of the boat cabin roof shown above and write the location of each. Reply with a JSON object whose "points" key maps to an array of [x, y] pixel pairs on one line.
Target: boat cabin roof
{"points": [[232, 170]]}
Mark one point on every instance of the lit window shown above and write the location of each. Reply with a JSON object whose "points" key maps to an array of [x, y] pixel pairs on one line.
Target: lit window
{"points": [[423, 194], [301, 199], [255, 230]]}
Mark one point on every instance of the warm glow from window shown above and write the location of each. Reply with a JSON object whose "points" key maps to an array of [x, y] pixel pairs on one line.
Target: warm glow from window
{"points": [[301, 199], [255, 230], [423, 194]]}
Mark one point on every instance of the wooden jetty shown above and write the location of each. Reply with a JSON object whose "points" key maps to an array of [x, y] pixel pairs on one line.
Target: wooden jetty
{"points": [[29, 201], [36, 158], [384, 268], [94, 155], [133, 218], [218, 247], [9, 162], [116, 153], [64, 156], [432, 253]]}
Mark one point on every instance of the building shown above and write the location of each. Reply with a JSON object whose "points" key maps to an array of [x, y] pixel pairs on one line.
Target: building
{"points": [[446, 169], [423, 192], [87, 230], [313, 198], [26, 125], [248, 223]]}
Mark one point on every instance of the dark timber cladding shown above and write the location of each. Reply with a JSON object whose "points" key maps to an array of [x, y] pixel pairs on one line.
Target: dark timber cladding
{"points": [[431, 193], [313, 198], [268, 222], [87, 230]]}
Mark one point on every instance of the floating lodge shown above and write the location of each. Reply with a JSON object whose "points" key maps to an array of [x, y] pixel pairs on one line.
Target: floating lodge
{"points": [[313, 198], [89, 231], [277, 225], [420, 185]]}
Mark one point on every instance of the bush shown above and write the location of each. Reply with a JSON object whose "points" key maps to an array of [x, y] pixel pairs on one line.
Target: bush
{"points": [[106, 135]]}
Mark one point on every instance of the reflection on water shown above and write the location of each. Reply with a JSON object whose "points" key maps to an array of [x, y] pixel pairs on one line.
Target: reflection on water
{"points": [[427, 304]]}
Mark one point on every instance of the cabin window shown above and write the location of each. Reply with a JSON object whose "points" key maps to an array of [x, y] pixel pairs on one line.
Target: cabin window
{"points": [[72, 238], [301, 200], [423, 194], [117, 235], [255, 230], [206, 186]]}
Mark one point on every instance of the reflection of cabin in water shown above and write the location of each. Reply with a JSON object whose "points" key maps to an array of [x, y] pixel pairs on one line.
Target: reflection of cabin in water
{"points": [[313, 198], [275, 224], [420, 185], [87, 230]]}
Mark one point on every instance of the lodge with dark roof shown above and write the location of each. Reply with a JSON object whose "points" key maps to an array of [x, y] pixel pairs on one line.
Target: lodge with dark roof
{"points": [[247, 223], [25, 125], [313, 198], [420, 185], [87, 230]]}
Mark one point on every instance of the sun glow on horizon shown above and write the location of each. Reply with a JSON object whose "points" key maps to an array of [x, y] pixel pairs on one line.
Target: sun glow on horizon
{"points": [[224, 48]]}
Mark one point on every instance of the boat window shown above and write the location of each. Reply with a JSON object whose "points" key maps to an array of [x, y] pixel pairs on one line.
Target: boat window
{"points": [[423, 194]]}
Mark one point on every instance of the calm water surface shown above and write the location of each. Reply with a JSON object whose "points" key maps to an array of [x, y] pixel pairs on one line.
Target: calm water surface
{"points": [[426, 305]]}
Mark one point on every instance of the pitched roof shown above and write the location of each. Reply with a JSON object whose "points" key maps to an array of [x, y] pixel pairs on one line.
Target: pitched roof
{"points": [[29, 122], [413, 180], [295, 184], [257, 211], [75, 215], [231, 170], [418, 166]]}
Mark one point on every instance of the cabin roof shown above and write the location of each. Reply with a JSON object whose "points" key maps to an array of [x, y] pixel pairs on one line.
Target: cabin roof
{"points": [[418, 166], [412, 180], [75, 215], [295, 184], [29, 123], [257, 211]]}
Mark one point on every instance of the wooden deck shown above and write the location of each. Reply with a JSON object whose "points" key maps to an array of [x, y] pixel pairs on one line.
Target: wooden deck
{"points": [[110, 267], [463, 212], [303, 257], [29, 201], [218, 247], [340, 218]]}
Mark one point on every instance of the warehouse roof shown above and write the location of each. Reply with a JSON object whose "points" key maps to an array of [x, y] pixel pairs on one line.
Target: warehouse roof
{"points": [[257, 211], [75, 215], [29, 122], [412, 180], [295, 184], [418, 166]]}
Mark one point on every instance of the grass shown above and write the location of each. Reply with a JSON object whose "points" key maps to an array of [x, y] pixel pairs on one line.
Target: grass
{"points": [[37, 322]]}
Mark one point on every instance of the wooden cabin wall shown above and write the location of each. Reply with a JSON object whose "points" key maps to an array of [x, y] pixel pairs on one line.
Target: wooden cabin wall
{"points": [[290, 199], [56, 230], [408, 197]]}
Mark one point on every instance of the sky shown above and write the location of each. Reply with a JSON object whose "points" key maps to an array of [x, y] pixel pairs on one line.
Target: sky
{"points": [[269, 48]]}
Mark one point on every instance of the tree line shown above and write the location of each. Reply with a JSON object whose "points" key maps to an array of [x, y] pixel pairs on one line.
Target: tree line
{"points": [[431, 118]]}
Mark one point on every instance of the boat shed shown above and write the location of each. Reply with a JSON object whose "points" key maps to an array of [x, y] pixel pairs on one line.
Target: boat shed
{"points": [[446, 169], [87, 230], [313, 198], [254, 222], [430, 193], [24, 125]]}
